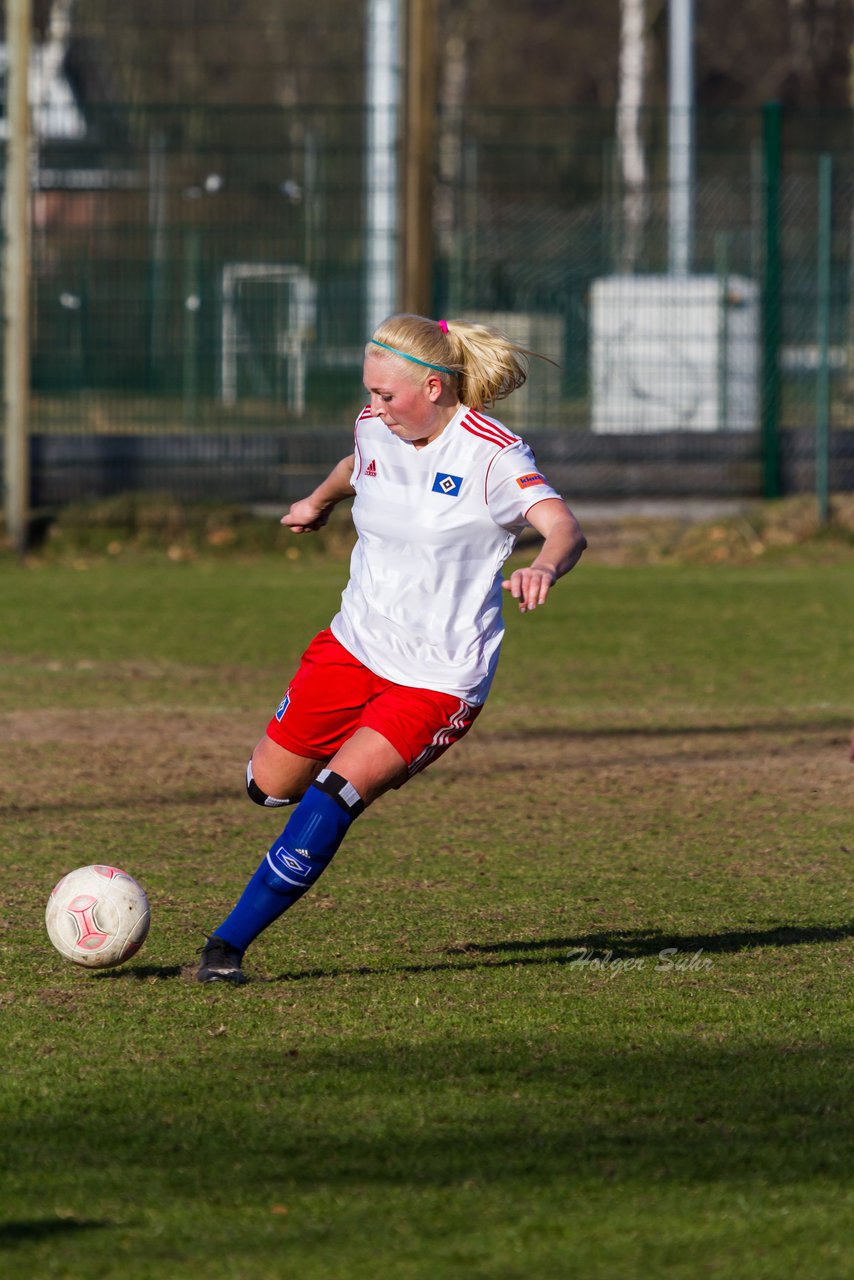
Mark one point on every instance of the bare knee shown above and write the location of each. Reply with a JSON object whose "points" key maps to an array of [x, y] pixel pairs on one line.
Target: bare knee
{"points": [[276, 777], [259, 796], [370, 763]]}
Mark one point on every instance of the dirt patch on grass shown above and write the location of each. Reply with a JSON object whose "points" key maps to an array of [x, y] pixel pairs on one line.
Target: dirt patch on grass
{"points": [[118, 758], [60, 759]]}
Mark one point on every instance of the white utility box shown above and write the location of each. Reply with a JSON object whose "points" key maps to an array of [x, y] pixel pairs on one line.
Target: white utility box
{"points": [[674, 353]]}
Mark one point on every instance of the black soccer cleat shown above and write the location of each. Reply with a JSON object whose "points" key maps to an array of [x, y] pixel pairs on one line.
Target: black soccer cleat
{"points": [[220, 962]]}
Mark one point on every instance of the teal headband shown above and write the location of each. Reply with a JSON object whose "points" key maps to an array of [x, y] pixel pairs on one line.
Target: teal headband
{"points": [[441, 368]]}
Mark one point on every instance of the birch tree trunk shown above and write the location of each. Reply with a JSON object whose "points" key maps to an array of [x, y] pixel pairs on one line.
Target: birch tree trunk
{"points": [[632, 161]]}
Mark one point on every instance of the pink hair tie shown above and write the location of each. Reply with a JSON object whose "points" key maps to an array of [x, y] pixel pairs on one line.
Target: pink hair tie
{"points": [[443, 325]]}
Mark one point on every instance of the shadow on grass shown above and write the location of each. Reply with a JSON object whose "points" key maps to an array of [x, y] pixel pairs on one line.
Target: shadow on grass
{"points": [[809, 724], [621, 944], [34, 1229], [635, 942], [525, 1108], [140, 973], [510, 952]]}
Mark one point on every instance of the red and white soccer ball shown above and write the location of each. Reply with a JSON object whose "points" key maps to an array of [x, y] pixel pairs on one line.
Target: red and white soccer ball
{"points": [[97, 916]]}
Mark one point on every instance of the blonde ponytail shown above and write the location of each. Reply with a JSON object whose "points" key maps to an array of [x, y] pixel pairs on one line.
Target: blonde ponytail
{"points": [[493, 366], [481, 363]]}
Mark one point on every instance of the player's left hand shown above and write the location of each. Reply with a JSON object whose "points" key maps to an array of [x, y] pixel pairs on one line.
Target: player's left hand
{"points": [[530, 587]]}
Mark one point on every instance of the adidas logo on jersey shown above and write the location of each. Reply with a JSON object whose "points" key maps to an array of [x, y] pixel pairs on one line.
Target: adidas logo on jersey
{"points": [[371, 468]]}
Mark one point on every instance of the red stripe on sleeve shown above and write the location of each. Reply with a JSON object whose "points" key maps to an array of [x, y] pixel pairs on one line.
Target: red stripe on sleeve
{"points": [[484, 434], [507, 436]]}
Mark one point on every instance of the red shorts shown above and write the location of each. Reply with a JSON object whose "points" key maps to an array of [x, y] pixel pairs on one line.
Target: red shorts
{"points": [[333, 694]]}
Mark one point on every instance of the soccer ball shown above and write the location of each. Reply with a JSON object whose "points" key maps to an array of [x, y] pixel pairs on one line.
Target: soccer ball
{"points": [[97, 916]]}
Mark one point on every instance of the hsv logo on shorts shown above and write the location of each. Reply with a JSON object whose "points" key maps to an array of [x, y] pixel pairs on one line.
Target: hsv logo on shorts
{"points": [[449, 485], [533, 477], [282, 707]]}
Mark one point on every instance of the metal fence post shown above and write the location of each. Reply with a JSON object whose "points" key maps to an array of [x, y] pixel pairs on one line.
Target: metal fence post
{"points": [[772, 156], [822, 391], [192, 303], [16, 277]]}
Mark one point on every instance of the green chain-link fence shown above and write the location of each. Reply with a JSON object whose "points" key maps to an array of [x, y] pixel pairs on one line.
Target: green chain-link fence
{"points": [[199, 298]]}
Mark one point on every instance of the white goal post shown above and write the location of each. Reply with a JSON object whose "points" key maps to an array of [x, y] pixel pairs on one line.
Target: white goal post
{"points": [[290, 327]]}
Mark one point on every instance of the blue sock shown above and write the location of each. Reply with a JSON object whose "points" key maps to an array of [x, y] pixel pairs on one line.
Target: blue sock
{"points": [[295, 861]]}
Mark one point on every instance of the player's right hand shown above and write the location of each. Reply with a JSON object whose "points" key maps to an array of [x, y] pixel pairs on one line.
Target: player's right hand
{"points": [[306, 516]]}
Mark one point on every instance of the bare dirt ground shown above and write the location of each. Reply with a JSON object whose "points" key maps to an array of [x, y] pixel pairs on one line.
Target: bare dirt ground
{"points": [[107, 759]]}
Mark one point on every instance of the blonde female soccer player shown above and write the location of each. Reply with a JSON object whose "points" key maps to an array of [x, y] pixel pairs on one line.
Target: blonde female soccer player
{"points": [[442, 491]]}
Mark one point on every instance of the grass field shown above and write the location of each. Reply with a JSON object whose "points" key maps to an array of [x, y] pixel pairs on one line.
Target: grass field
{"points": [[464, 1056]]}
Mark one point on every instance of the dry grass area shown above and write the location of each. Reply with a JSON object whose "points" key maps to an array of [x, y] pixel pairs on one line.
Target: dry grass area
{"points": [[131, 522], [788, 527]]}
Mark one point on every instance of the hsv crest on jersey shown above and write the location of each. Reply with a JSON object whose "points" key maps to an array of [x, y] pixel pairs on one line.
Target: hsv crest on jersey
{"points": [[533, 477], [449, 485]]}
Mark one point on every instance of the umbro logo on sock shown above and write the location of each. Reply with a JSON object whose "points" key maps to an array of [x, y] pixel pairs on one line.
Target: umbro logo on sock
{"points": [[371, 468]]}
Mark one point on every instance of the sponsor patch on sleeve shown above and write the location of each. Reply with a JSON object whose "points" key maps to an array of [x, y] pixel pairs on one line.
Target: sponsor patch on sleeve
{"points": [[533, 477]]}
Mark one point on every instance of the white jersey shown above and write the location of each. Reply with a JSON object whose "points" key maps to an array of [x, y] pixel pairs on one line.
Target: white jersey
{"points": [[423, 604]]}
